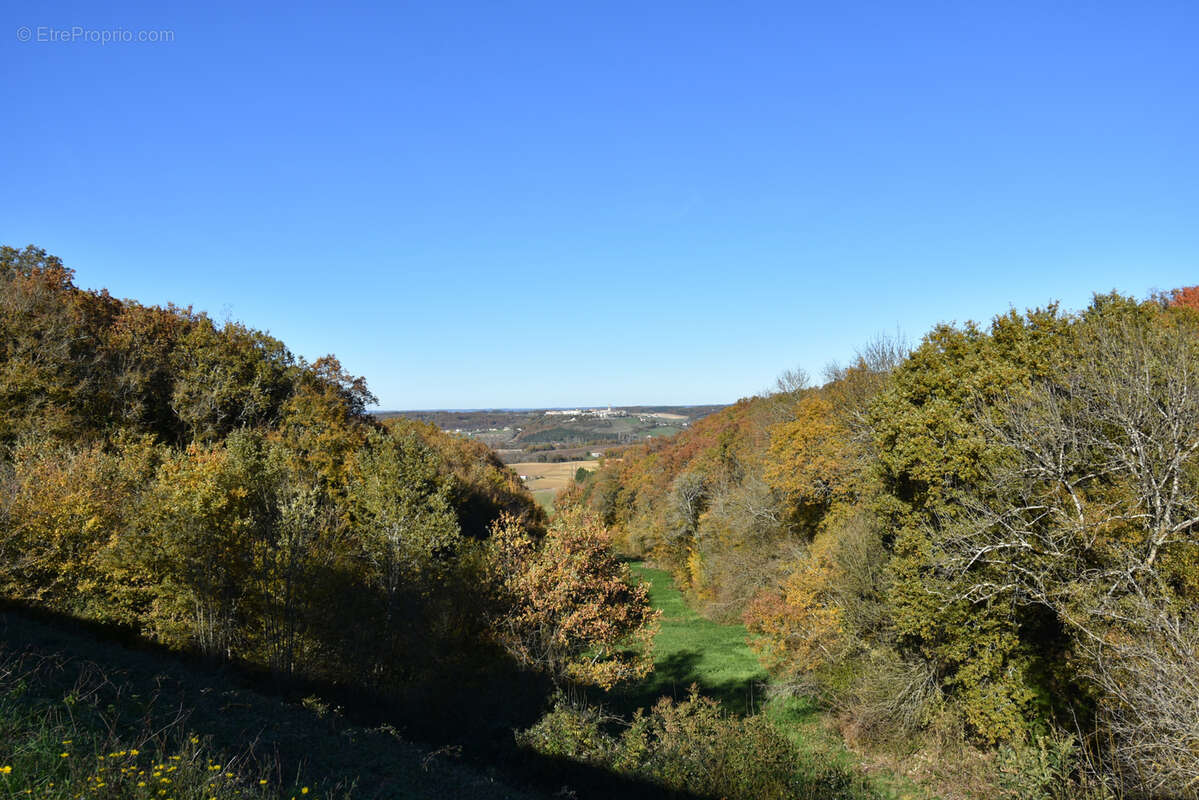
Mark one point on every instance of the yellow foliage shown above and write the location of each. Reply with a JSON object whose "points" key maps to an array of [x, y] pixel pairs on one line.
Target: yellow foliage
{"points": [[810, 459], [797, 625]]}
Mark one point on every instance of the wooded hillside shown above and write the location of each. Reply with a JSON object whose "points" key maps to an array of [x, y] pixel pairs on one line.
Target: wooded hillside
{"points": [[992, 537], [198, 485]]}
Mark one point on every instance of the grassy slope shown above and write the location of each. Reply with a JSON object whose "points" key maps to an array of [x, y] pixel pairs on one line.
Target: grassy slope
{"points": [[58, 686], [106, 698], [545, 498], [690, 649]]}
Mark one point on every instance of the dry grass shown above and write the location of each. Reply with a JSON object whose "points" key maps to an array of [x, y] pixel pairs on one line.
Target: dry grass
{"points": [[551, 476]]}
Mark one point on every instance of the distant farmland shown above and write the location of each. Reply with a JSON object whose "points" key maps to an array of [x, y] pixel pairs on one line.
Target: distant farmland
{"points": [[546, 480], [540, 475]]}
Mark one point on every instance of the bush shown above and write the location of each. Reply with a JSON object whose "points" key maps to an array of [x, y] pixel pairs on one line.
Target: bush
{"points": [[1050, 766], [692, 746]]}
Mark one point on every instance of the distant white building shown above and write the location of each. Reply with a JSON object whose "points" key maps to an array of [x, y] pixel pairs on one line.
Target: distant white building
{"points": [[602, 413]]}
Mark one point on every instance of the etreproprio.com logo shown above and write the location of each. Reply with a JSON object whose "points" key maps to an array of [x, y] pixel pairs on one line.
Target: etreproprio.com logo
{"points": [[79, 33]]}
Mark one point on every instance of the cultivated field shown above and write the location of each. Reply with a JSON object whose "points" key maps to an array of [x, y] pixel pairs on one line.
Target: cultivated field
{"points": [[550, 476]]}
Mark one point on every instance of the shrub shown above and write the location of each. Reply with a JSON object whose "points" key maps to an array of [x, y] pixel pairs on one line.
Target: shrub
{"points": [[692, 746]]}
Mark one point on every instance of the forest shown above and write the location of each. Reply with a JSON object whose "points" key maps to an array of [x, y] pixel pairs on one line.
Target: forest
{"points": [[195, 486], [985, 546]]}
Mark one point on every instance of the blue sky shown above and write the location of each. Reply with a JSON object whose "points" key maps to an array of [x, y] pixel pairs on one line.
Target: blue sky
{"points": [[511, 204]]}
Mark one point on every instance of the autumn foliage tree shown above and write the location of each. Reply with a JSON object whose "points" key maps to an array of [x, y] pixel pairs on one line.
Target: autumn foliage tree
{"points": [[1186, 297], [570, 607], [993, 533]]}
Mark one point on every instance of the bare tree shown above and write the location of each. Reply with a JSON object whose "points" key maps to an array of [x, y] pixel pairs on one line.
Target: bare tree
{"points": [[792, 381], [1149, 676], [1097, 474], [689, 496], [1095, 477]]}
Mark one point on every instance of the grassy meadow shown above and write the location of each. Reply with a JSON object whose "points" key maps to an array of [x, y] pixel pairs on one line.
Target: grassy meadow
{"points": [[690, 649]]}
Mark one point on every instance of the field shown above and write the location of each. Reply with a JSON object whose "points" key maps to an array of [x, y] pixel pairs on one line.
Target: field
{"points": [[524, 435], [550, 476], [545, 480]]}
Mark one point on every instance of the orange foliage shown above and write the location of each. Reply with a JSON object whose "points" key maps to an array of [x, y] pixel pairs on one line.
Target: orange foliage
{"points": [[722, 446], [1185, 297], [572, 609], [796, 626]]}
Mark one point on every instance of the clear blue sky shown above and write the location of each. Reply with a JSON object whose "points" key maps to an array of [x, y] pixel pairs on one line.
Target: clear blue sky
{"points": [[545, 204]]}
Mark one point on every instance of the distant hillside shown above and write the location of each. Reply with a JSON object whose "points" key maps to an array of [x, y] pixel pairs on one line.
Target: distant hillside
{"points": [[518, 434]]}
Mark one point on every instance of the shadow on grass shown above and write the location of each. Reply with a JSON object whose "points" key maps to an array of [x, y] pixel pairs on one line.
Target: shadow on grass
{"points": [[673, 677], [454, 739]]}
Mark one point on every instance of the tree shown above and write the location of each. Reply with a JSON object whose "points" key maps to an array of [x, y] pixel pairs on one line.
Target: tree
{"points": [[406, 540], [811, 458], [63, 509], [926, 450], [1090, 510], [1186, 297], [52, 377], [1096, 474], [569, 606], [228, 378]]}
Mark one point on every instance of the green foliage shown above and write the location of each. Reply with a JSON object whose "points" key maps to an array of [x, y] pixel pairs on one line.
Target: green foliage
{"points": [[691, 746], [1044, 768], [483, 487]]}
